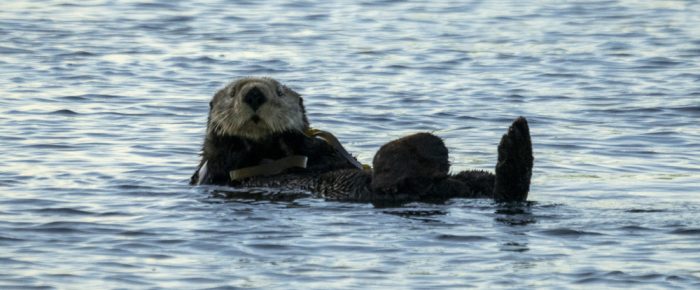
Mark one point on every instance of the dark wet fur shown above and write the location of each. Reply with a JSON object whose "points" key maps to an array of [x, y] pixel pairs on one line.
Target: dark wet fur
{"points": [[227, 153], [412, 168], [418, 164], [515, 161]]}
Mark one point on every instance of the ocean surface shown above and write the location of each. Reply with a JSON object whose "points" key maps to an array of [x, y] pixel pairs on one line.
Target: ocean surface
{"points": [[103, 107]]}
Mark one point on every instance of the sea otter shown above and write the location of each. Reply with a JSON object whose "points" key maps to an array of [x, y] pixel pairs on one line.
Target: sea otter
{"points": [[258, 135]]}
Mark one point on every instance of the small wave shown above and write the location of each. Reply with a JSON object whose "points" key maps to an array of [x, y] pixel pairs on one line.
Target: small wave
{"points": [[380, 3], [562, 75], [687, 109], [134, 187], [694, 52], [315, 17], [170, 241], [269, 246], [10, 50], [159, 5], [62, 211], [10, 261], [657, 63], [233, 18], [64, 112], [223, 288], [201, 59], [644, 210], [117, 265], [79, 53], [630, 110], [135, 245], [634, 228], [127, 279], [58, 227], [179, 18], [460, 238], [55, 230], [91, 97], [615, 46], [136, 233], [113, 214], [159, 256], [690, 232], [50, 146], [622, 278], [29, 201], [9, 239], [565, 232], [82, 78]]}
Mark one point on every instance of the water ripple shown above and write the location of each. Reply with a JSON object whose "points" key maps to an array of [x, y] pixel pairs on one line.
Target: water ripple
{"points": [[104, 109]]}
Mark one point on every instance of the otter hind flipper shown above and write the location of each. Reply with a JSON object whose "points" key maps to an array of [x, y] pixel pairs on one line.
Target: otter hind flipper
{"points": [[515, 161]]}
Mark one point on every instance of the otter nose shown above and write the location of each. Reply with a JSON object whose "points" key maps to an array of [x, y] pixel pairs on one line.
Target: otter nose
{"points": [[254, 98]]}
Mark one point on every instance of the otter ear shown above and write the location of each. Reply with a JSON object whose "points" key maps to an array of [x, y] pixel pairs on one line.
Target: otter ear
{"points": [[219, 94], [291, 92]]}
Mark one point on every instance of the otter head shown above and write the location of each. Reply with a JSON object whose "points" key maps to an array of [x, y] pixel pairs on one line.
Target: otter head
{"points": [[254, 108]]}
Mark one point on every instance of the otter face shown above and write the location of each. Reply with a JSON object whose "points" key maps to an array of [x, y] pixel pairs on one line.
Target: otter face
{"points": [[256, 107]]}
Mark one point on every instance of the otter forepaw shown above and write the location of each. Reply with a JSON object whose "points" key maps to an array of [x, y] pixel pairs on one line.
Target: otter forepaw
{"points": [[515, 161]]}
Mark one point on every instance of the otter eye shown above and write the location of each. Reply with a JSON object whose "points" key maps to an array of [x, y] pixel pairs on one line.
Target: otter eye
{"points": [[280, 91], [232, 92]]}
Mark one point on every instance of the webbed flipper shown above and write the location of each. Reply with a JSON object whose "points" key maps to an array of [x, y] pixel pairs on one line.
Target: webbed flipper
{"points": [[515, 161]]}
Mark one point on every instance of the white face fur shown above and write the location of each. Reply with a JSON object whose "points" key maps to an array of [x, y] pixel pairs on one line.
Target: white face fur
{"points": [[231, 115]]}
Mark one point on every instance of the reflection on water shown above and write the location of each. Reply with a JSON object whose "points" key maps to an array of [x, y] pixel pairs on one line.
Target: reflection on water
{"points": [[266, 194], [104, 106], [515, 214]]}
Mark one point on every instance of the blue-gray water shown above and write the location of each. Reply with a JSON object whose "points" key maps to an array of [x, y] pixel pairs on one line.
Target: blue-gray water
{"points": [[103, 106]]}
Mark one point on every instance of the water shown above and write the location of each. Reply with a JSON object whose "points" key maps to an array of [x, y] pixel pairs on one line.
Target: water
{"points": [[104, 105]]}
